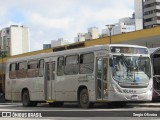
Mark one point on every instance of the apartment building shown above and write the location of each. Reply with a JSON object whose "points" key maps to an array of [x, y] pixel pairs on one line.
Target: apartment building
{"points": [[14, 40], [151, 13]]}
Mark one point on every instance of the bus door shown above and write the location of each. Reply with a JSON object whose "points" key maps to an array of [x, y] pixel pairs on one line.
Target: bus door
{"points": [[50, 80], [102, 78]]}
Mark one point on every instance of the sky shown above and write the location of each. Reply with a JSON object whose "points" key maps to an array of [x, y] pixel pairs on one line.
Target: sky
{"points": [[52, 19]]}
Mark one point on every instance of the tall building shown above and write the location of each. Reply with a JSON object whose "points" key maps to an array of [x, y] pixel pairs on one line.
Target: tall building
{"points": [[14, 39], [151, 13], [138, 5]]}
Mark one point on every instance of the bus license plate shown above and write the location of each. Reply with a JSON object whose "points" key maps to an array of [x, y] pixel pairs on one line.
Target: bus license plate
{"points": [[134, 97]]}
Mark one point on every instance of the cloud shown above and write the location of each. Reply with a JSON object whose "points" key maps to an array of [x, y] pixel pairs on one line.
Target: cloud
{"points": [[51, 19], [47, 22]]}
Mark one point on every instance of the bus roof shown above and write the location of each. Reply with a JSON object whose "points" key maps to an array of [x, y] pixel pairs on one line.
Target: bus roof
{"points": [[72, 51]]}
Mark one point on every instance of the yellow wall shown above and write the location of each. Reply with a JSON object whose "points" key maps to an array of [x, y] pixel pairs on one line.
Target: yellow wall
{"points": [[125, 37]]}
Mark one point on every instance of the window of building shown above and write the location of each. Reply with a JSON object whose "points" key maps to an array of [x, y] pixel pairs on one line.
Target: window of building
{"points": [[148, 20], [72, 65], [60, 66], [157, 3], [12, 71], [22, 70], [32, 68], [7, 31], [86, 63]]}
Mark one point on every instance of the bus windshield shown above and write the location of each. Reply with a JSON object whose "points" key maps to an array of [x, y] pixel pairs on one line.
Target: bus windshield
{"points": [[131, 69]]}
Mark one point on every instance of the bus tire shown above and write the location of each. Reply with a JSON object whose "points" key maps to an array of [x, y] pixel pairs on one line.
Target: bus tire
{"points": [[26, 99], [84, 99]]}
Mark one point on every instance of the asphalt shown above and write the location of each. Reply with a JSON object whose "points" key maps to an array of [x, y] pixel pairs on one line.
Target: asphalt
{"points": [[146, 104]]}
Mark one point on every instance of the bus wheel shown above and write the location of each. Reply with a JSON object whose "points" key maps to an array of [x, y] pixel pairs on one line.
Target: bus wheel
{"points": [[84, 99], [26, 99]]}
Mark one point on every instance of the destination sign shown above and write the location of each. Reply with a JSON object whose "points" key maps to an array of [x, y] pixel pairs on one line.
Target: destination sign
{"points": [[129, 50]]}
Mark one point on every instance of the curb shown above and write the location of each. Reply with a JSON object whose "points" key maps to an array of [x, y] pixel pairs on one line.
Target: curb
{"points": [[145, 105]]}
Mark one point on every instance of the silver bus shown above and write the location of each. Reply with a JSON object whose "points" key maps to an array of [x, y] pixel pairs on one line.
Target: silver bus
{"points": [[103, 73]]}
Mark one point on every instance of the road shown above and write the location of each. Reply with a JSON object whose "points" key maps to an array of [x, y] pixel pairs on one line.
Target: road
{"points": [[70, 111]]}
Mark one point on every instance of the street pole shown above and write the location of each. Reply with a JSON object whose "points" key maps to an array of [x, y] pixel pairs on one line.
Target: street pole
{"points": [[110, 36], [110, 29]]}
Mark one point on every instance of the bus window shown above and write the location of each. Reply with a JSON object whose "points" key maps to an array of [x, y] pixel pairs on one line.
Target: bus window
{"points": [[99, 77], [105, 64], [22, 69], [32, 68], [50, 67], [86, 63], [53, 70], [72, 65], [12, 71], [60, 66], [41, 68]]}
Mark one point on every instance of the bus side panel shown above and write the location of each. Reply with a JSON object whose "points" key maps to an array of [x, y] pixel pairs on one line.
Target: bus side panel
{"points": [[92, 88], [35, 87], [88, 81], [65, 87], [7, 84]]}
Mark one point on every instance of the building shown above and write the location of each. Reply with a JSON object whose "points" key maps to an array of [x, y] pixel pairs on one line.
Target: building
{"points": [[92, 34], [151, 13], [59, 42], [46, 46], [124, 25], [118, 29], [14, 40], [127, 20], [80, 37], [138, 5]]}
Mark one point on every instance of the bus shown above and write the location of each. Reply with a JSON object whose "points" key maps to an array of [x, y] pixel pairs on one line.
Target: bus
{"points": [[155, 58], [102, 73]]}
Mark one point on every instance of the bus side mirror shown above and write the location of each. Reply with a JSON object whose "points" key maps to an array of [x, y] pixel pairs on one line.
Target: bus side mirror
{"points": [[110, 62]]}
